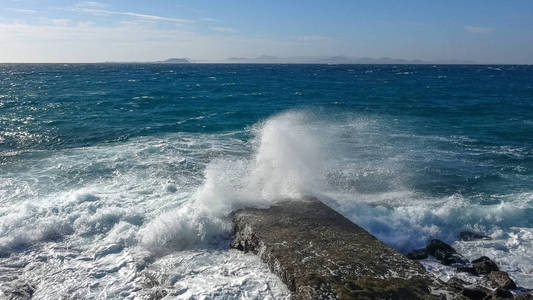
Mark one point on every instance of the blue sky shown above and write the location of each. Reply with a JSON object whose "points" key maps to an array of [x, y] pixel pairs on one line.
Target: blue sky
{"points": [[127, 30]]}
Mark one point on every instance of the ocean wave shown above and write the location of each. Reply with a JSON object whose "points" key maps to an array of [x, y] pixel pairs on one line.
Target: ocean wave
{"points": [[284, 165], [162, 204]]}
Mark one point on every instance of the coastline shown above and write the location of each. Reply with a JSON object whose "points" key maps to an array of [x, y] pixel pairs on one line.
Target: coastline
{"points": [[319, 254]]}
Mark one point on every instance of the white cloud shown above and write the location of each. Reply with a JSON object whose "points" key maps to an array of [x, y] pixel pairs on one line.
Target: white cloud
{"points": [[478, 29], [92, 4], [222, 29], [83, 7], [60, 22], [22, 11], [63, 41], [209, 20]]}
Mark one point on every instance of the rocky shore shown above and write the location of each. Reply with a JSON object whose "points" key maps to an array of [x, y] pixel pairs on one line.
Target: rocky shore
{"points": [[320, 254], [491, 282]]}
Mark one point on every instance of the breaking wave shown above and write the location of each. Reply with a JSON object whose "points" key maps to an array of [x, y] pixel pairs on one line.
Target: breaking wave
{"points": [[153, 205]]}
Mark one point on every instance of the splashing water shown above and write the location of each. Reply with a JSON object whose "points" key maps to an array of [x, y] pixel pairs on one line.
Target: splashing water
{"points": [[132, 212], [286, 164], [298, 154]]}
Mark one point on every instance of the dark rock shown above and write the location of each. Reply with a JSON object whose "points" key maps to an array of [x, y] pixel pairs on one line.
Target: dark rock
{"points": [[319, 254], [467, 290], [157, 295], [436, 245], [484, 265], [524, 296], [472, 236], [456, 283], [465, 269], [480, 266], [475, 293], [502, 294], [19, 291], [418, 254], [500, 279], [149, 280], [444, 253]]}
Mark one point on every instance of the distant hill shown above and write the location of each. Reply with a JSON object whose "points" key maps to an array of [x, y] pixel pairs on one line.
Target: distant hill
{"points": [[331, 60], [174, 61], [335, 60]]}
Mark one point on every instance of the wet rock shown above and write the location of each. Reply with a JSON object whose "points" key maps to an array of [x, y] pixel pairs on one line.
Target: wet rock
{"points": [[500, 279], [319, 254], [19, 291], [472, 236], [439, 248], [157, 295], [444, 253], [484, 265], [467, 290], [457, 283], [524, 296], [475, 293], [149, 280], [466, 269], [502, 294], [418, 254]]}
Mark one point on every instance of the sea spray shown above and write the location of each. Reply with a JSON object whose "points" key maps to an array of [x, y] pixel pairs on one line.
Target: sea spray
{"points": [[86, 168], [299, 153], [286, 163]]}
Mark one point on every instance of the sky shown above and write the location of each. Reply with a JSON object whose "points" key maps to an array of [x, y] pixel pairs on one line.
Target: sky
{"points": [[485, 31]]}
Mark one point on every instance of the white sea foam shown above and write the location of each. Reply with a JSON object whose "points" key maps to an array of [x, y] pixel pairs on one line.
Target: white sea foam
{"points": [[87, 222], [100, 221], [285, 164]]}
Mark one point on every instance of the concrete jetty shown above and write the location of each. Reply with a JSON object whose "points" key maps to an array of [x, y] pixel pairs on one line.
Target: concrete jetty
{"points": [[320, 254]]}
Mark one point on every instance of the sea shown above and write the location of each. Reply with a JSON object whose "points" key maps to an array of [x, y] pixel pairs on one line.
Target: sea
{"points": [[117, 181]]}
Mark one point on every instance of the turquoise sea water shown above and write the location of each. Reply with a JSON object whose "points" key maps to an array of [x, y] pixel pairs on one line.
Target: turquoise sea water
{"points": [[116, 171]]}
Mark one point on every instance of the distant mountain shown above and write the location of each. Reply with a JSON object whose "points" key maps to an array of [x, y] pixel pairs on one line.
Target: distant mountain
{"points": [[175, 61], [456, 62], [339, 59], [331, 60], [237, 58], [267, 58]]}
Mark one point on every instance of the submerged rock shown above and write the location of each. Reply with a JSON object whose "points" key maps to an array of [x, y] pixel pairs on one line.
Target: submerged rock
{"points": [[472, 236], [157, 294], [475, 293], [472, 291], [444, 253], [524, 295], [467, 269], [457, 283], [19, 291], [418, 254], [320, 254], [480, 266], [502, 294], [468, 290], [484, 265], [500, 279]]}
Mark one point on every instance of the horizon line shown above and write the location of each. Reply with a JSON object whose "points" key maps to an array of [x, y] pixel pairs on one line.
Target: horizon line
{"points": [[206, 62]]}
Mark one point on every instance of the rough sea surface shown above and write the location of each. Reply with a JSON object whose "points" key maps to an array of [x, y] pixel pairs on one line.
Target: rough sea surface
{"points": [[116, 180]]}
